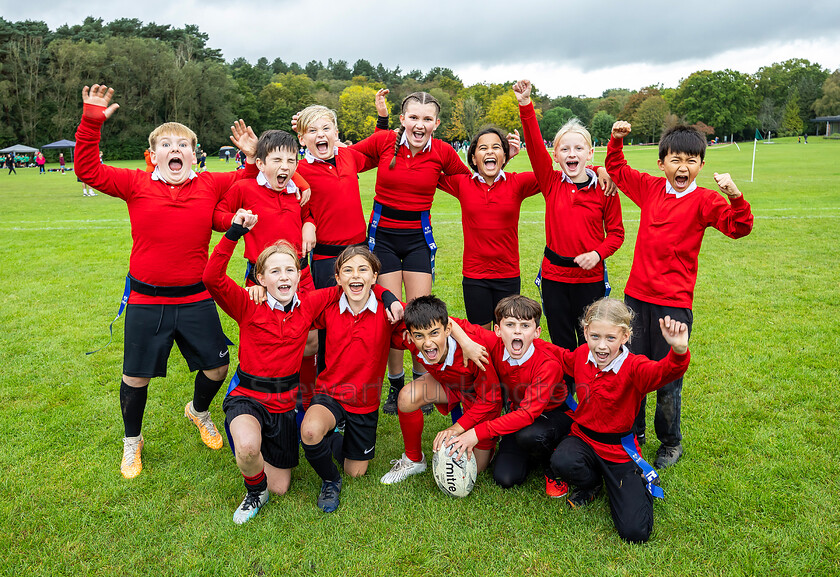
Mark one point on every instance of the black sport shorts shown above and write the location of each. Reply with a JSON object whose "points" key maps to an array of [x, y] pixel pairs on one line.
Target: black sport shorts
{"points": [[481, 295], [402, 249], [279, 446], [150, 331], [359, 430]]}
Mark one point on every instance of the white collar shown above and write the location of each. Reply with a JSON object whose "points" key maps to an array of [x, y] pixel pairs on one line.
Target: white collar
{"points": [[310, 158], [156, 175], [291, 187], [404, 142], [344, 304], [274, 304], [591, 173], [670, 189], [513, 362], [451, 345], [499, 176], [616, 363]]}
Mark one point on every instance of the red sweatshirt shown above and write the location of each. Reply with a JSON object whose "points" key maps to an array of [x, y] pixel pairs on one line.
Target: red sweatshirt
{"points": [[336, 202], [479, 390], [271, 342], [356, 355], [576, 221], [411, 184], [671, 230], [533, 387], [608, 402], [170, 225], [490, 221]]}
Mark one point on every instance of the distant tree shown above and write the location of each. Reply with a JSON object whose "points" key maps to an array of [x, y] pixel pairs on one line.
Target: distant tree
{"points": [[723, 99], [829, 102], [649, 119], [504, 112], [339, 69], [601, 126], [467, 118], [364, 68], [357, 112], [445, 111], [634, 101], [780, 79], [769, 116], [700, 127], [553, 119], [791, 122], [580, 106]]}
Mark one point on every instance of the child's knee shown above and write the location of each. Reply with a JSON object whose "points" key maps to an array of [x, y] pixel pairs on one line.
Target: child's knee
{"points": [[310, 434]]}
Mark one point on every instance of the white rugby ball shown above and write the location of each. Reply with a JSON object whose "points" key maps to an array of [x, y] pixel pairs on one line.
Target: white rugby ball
{"points": [[455, 477]]}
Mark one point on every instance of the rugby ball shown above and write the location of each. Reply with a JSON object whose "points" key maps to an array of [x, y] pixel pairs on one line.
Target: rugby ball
{"points": [[455, 477]]}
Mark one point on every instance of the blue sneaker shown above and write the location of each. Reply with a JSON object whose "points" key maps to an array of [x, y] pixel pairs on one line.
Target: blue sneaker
{"points": [[250, 506], [328, 497]]}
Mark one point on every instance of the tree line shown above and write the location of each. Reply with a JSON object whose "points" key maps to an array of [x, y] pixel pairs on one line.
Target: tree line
{"points": [[162, 73]]}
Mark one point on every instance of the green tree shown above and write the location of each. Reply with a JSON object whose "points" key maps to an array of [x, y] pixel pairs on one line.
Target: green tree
{"points": [[553, 119], [769, 116], [504, 112], [634, 101], [580, 106], [601, 126], [829, 102], [467, 118], [780, 79], [357, 112], [649, 118], [791, 122], [723, 99]]}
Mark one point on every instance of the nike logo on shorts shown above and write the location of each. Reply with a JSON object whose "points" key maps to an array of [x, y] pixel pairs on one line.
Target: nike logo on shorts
{"points": [[223, 354], [369, 450]]}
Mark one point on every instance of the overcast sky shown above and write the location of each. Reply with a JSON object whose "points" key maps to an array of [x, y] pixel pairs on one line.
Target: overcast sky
{"points": [[563, 47]]}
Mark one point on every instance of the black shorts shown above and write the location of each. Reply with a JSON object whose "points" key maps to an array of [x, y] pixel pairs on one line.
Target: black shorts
{"points": [[323, 272], [150, 331], [481, 295], [402, 249], [359, 430], [279, 445]]}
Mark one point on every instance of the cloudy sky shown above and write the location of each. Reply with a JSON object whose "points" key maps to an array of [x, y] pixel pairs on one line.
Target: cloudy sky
{"points": [[563, 47]]}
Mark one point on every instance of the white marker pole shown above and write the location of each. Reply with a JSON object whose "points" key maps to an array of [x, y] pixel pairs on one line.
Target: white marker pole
{"points": [[752, 172]]}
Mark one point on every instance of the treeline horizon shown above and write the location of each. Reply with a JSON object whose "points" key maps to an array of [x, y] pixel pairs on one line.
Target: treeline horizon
{"points": [[161, 73]]}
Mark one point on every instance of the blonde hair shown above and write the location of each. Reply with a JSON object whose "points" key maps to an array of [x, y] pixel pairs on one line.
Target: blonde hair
{"points": [[173, 129], [310, 114], [612, 311], [279, 247], [573, 125]]}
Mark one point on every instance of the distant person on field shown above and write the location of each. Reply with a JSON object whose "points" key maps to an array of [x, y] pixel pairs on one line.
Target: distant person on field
{"points": [[202, 162], [10, 163], [61, 164], [40, 161], [171, 214], [675, 213]]}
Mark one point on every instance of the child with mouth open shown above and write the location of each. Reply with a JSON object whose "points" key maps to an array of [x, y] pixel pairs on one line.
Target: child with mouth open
{"points": [[675, 214], [275, 198], [583, 224], [532, 380], [610, 385], [171, 214]]}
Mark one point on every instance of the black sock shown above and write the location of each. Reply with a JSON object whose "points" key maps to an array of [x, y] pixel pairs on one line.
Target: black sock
{"points": [[336, 441], [320, 457], [133, 404], [397, 382], [415, 375], [256, 484], [205, 390]]}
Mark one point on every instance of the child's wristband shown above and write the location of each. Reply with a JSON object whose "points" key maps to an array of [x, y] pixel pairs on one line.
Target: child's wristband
{"points": [[94, 112], [235, 232]]}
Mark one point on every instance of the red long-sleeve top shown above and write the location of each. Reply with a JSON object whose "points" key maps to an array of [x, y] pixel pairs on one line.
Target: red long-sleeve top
{"points": [[534, 387], [336, 203], [170, 225], [280, 214], [356, 355], [608, 402], [490, 221], [271, 341], [411, 184], [671, 229], [479, 390], [576, 221]]}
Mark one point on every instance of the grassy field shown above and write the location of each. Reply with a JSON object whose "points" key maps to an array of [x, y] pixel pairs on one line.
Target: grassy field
{"points": [[757, 492]]}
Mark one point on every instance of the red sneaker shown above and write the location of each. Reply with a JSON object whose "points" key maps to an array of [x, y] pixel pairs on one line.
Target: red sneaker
{"points": [[555, 489]]}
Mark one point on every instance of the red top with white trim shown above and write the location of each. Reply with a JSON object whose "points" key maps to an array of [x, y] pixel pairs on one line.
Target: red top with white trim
{"points": [[479, 390], [490, 220], [271, 341], [534, 386], [170, 225], [576, 221], [671, 230], [609, 400], [411, 184], [336, 202]]}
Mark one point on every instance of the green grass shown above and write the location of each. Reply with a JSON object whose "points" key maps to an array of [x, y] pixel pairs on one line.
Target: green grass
{"points": [[756, 493]]}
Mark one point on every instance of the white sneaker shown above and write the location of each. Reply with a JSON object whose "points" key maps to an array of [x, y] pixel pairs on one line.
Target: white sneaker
{"points": [[402, 469], [250, 506]]}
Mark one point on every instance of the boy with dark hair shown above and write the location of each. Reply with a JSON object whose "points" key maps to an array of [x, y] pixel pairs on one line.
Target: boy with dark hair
{"points": [[532, 380], [171, 213], [675, 213], [433, 337]]}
